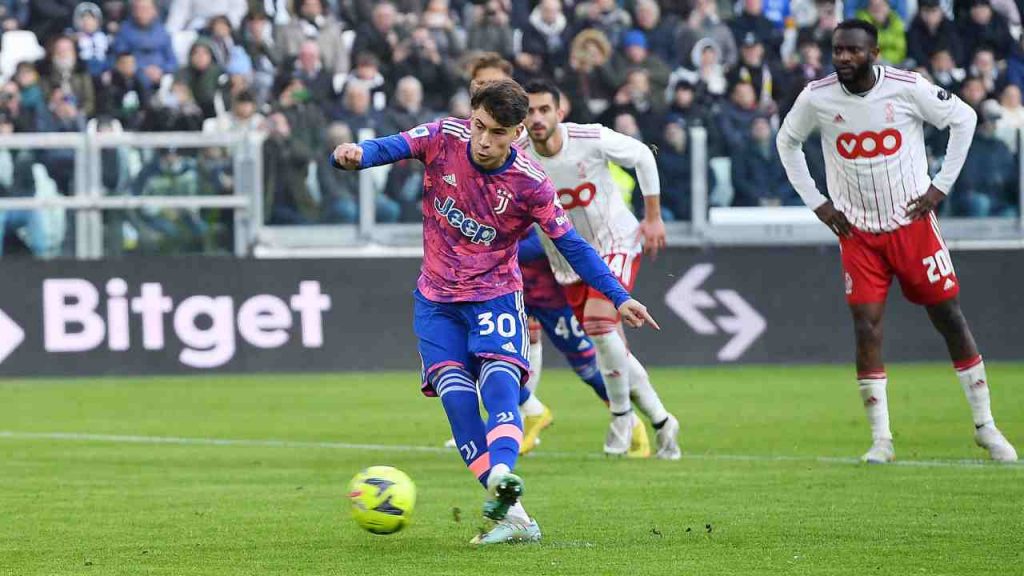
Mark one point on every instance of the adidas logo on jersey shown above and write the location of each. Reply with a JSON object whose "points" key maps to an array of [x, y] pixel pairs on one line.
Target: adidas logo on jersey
{"points": [[583, 346], [450, 178], [509, 347], [839, 119]]}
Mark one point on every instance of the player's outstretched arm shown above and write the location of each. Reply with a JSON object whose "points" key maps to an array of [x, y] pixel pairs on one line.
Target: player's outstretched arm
{"points": [[588, 264], [373, 152]]}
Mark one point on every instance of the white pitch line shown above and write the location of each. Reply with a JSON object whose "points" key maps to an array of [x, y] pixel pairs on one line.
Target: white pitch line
{"points": [[183, 441]]}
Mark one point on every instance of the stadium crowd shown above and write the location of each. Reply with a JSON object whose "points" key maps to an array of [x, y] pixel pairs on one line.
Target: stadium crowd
{"points": [[312, 74]]}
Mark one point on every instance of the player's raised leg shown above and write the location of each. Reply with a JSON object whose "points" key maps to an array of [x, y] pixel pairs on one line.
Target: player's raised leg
{"points": [[948, 319], [872, 381]]}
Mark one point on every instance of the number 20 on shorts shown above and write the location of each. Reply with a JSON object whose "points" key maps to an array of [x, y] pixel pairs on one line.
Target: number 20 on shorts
{"points": [[939, 266]]}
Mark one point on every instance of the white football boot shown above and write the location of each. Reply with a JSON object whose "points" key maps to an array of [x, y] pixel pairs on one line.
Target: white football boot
{"points": [[881, 452], [990, 438], [620, 435], [668, 440]]}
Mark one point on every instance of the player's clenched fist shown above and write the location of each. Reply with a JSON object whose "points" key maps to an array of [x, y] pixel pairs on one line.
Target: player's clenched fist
{"points": [[349, 156], [635, 315]]}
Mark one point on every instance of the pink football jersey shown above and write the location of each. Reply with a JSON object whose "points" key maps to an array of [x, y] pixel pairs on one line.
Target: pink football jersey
{"points": [[473, 218]]}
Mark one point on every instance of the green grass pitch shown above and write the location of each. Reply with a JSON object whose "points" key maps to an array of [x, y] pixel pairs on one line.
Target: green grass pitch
{"points": [[228, 475]]}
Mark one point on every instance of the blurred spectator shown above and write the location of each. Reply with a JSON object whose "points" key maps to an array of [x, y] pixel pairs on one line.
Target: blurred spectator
{"points": [[62, 69], [379, 36], [264, 53], [606, 16], [900, 7], [122, 94], [406, 110], [892, 37], [93, 43], [758, 177], [311, 23], [637, 98], [984, 67], [144, 36], [590, 81], [736, 116], [707, 59], [196, 14], [418, 56], [168, 230], [173, 109], [490, 31], [751, 20], [821, 31], [1008, 9], [701, 27], [61, 115], [243, 116], [807, 67], [767, 78], [1011, 120], [14, 14], [459, 105], [674, 170], [310, 69], [204, 78], [285, 164], [685, 106], [634, 55], [305, 119], [545, 41], [985, 28], [226, 53], [32, 100], [339, 190], [47, 18], [972, 91], [661, 30], [366, 69], [944, 71], [10, 106], [988, 184], [931, 31], [437, 18], [357, 112]]}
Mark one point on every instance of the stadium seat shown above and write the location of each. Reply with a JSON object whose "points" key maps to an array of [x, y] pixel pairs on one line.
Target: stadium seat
{"points": [[722, 193], [18, 46], [182, 43]]}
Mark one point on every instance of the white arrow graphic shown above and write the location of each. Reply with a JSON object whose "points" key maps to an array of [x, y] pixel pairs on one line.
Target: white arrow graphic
{"points": [[745, 324], [685, 298], [11, 336]]}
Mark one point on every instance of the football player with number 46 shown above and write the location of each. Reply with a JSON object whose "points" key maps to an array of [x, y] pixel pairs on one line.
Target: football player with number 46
{"points": [[882, 209]]}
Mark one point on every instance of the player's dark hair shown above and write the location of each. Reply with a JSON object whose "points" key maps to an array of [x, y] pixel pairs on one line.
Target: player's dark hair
{"points": [[543, 86], [866, 27], [504, 100], [490, 60]]}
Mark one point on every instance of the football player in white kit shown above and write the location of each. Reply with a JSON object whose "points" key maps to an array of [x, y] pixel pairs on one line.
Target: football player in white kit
{"points": [[576, 158], [882, 209]]}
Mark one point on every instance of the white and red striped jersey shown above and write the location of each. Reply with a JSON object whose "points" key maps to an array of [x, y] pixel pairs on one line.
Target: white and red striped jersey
{"points": [[874, 144], [589, 195]]}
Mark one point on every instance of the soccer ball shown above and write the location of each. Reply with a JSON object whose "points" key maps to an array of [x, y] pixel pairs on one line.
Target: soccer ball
{"points": [[382, 499]]}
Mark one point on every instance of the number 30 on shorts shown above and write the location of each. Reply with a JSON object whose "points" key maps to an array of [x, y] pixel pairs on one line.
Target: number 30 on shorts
{"points": [[939, 266], [505, 324]]}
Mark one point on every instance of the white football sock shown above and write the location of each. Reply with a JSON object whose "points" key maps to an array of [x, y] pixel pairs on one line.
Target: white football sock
{"points": [[613, 360], [532, 407], [641, 392], [536, 358], [975, 385], [876, 406]]}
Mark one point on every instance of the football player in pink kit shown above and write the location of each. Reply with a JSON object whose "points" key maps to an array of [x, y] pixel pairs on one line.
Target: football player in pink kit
{"points": [[576, 159], [882, 209], [479, 197]]}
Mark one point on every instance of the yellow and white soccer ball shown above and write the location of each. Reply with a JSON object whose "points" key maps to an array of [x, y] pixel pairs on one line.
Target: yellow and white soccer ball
{"points": [[382, 499]]}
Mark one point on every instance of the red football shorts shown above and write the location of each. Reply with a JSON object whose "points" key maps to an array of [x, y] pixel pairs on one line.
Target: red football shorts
{"points": [[623, 266], [915, 254]]}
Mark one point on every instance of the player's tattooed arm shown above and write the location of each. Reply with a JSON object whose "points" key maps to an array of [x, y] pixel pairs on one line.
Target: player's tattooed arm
{"points": [[922, 205], [834, 219]]}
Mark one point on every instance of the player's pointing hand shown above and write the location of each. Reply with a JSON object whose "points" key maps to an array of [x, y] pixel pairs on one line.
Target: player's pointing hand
{"points": [[349, 156], [834, 219], [635, 315]]}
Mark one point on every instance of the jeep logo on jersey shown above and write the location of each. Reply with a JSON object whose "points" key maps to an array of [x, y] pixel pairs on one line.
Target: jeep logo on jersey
{"points": [[869, 144], [579, 197], [470, 228]]}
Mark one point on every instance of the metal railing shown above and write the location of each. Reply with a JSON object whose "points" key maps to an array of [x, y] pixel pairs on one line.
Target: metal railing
{"points": [[88, 197]]}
